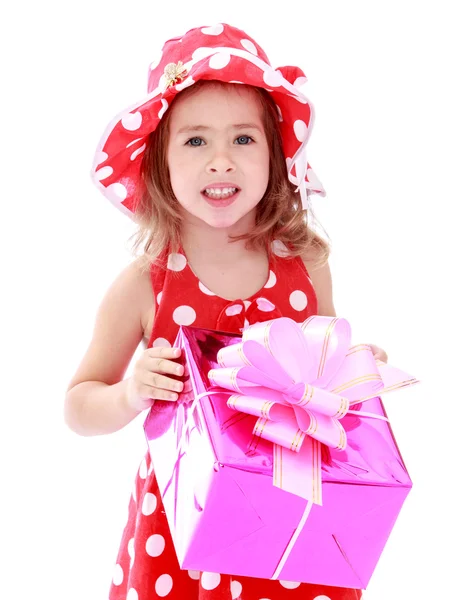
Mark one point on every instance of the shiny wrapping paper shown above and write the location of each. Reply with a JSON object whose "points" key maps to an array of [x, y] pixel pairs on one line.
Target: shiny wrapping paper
{"points": [[225, 513]]}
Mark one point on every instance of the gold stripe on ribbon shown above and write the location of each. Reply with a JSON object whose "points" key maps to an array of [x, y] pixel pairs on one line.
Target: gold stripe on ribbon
{"points": [[265, 412], [233, 380], [266, 338], [240, 352], [297, 440], [220, 360], [343, 408], [329, 330], [211, 376], [313, 425], [306, 398], [257, 433], [317, 479], [359, 348], [353, 382], [278, 465], [390, 388]]}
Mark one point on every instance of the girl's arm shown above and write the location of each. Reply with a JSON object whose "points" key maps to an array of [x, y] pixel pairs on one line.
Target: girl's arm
{"points": [[95, 401]]}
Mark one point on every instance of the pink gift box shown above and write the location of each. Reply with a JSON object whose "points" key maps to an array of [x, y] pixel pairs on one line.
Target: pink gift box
{"points": [[224, 512]]}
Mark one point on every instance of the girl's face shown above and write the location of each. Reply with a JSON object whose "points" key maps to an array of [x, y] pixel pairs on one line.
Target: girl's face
{"points": [[218, 156]]}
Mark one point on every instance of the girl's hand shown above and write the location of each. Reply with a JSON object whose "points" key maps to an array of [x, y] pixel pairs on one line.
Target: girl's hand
{"points": [[379, 353], [150, 380]]}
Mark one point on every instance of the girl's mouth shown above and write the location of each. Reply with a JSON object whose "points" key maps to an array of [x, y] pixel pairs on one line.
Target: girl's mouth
{"points": [[220, 197], [220, 193]]}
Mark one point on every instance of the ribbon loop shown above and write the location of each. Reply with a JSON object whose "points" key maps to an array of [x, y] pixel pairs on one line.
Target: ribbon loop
{"points": [[299, 381]]}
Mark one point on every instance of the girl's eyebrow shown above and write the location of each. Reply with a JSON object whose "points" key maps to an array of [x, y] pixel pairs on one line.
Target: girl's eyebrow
{"points": [[193, 128]]}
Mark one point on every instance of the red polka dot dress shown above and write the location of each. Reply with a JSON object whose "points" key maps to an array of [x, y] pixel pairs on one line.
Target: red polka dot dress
{"points": [[147, 567]]}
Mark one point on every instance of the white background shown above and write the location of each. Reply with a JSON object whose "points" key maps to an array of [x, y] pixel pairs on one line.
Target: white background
{"points": [[393, 146]]}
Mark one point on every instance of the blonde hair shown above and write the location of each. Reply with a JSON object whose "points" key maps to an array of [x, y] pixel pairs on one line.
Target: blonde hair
{"points": [[279, 214]]}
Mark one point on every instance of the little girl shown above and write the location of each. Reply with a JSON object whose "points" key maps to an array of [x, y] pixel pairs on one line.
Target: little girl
{"points": [[211, 165]]}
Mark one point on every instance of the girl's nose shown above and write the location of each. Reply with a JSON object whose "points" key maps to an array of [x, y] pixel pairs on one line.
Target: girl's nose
{"points": [[221, 163]]}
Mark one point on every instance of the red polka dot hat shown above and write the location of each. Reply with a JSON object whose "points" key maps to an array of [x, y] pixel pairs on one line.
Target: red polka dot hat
{"points": [[221, 53]]}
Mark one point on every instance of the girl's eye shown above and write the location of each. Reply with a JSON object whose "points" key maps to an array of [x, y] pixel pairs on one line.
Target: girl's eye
{"points": [[243, 140], [195, 141]]}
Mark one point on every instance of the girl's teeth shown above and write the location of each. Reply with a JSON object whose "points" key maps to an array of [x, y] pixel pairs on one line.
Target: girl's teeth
{"points": [[220, 193]]}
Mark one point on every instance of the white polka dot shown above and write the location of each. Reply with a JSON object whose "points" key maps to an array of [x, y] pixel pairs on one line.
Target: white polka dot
{"points": [[155, 545], [280, 116], [100, 157], [250, 46], [241, 82], [158, 298], [290, 585], [194, 574], [133, 142], [271, 280], [236, 589], [162, 84], [184, 84], [156, 62], [176, 262], [231, 311], [143, 468], [163, 585], [149, 504], [219, 60], [134, 492], [132, 594], [299, 81], [151, 469], [298, 300], [200, 53], [246, 323], [279, 248], [247, 303], [131, 550], [184, 315], [103, 173], [326, 598], [116, 192], [300, 129], [214, 30], [210, 581], [265, 305], [205, 290], [273, 78], [299, 98], [138, 151], [161, 342], [132, 121], [118, 575], [163, 109]]}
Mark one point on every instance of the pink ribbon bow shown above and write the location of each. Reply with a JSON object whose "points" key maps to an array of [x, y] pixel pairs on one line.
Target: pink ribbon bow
{"points": [[299, 381]]}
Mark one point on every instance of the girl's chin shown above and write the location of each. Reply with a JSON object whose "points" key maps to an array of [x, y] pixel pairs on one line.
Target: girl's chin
{"points": [[225, 219]]}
